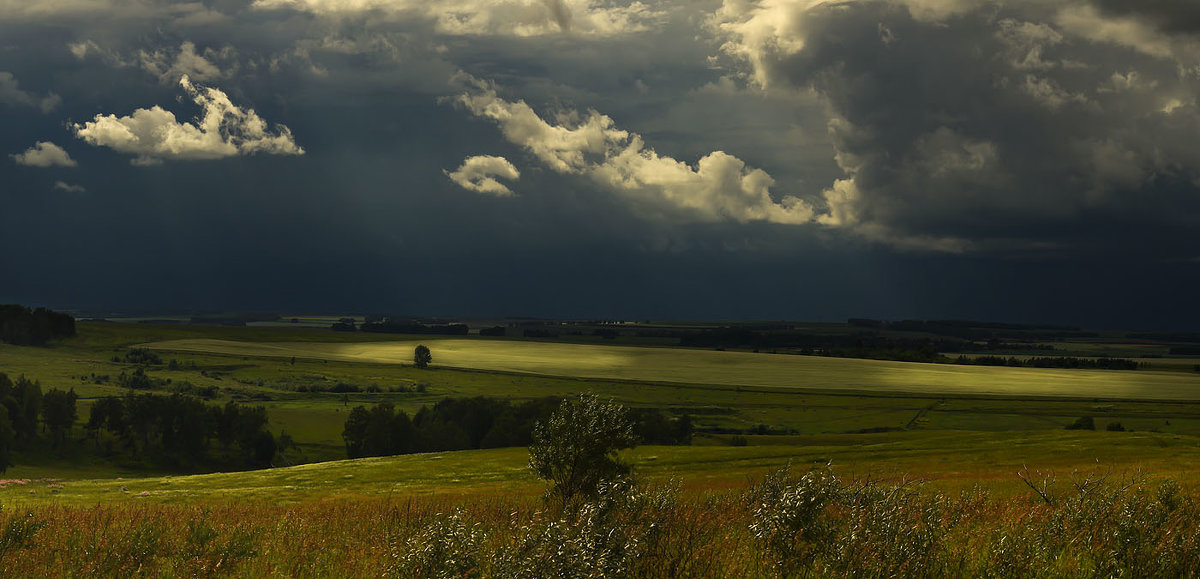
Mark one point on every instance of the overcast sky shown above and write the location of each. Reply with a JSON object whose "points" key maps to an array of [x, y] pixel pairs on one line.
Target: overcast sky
{"points": [[1015, 160]]}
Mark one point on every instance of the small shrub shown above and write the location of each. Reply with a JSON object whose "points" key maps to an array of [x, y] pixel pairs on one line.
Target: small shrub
{"points": [[1082, 423], [788, 516], [447, 547]]}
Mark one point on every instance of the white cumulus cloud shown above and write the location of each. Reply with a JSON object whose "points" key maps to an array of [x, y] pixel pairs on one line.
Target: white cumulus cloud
{"points": [[45, 154], [479, 174], [222, 130], [720, 187]]}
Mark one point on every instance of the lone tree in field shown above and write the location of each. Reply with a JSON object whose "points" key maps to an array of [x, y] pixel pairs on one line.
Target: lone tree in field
{"points": [[422, 357], [576, 449]]}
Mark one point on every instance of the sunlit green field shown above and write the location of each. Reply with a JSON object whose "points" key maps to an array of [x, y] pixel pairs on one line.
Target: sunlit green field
{"points": [[728, 368], [800, 396], [954, 429], [945, 459]]}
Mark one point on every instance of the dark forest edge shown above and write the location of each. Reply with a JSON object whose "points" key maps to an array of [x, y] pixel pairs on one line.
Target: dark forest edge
{"points": [[481, 422], [22, 326], [182, 433], [176, 432]]}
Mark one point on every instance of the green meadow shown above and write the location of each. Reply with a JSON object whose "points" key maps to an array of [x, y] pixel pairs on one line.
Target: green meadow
{"points": [[775, 400], [707, 367], [950, 460], [905, 442], [292, 370]]}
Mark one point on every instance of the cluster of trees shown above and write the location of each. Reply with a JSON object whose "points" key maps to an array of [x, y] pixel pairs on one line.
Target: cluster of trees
{"points": [[345, 387], [479, 422], [181, 430], [1089, 423], [23, 407], [140, 380], [22, 326], [1052, 362], [176, 430], [141, 357]]}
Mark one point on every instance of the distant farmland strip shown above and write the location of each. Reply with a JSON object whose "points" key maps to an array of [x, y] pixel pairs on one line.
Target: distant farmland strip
{"points": [[727, 368]]}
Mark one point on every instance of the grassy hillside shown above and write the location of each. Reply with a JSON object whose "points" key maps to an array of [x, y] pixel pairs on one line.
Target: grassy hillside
{"points": [[726, 393], [946, 459], [962, 432], [726, 368]]}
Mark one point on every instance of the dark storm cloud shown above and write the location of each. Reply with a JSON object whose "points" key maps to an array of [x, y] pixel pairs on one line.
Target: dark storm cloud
{"points": [[1173, 16], [989, 128], [1031, 136]]}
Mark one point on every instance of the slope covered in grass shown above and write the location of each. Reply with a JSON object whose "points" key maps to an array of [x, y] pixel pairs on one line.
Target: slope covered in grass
{"points": [[726, 368], [948, 458]]}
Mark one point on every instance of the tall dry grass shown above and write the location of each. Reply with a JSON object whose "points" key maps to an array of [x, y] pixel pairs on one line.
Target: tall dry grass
{"points": [[792, 523]]}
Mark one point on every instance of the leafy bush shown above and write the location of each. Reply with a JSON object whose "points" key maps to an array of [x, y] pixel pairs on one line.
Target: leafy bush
{"points": [[604, 537], [576, 449], [447, 547], [1082, 423]]}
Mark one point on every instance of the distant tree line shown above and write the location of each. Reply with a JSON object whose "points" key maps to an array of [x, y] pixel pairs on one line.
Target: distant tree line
{"points": [[23, 407], [183, 431], [1051, 362], [838, 345], [479, 422], [1187, 337], [399, 326], [22, 326], [875, 346], [394, 326], [974, 330]]}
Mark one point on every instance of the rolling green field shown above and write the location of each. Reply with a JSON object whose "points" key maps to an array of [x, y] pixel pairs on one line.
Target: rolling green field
{"points": [[945, 459], [728, 368], [963, 433], [793, 398]]}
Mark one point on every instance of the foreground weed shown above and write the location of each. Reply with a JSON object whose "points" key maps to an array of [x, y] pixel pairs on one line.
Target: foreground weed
{"points": [[205, 556], [18, 532], [447, 547], [600, 537], [789, 516]]}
